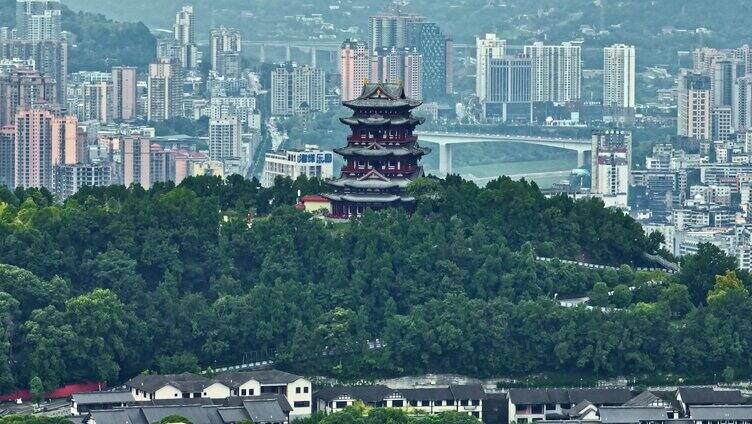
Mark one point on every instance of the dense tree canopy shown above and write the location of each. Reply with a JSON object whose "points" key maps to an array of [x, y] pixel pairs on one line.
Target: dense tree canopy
{"points": [[119, 280]]}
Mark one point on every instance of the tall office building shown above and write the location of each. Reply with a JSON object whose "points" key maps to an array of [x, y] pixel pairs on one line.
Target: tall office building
{"points": [[436, 50], [224, 138], [7, 155], [693, 117], [398, 66], [557, 72], [390, 29], [124, 97], [185, 35], [136, 161], [489, 47], [38, 20], [611, 166], [225, 51], [24, 88], [44, 138], [165, 91], [297, 89], [618, 83], [50, 59], [355, 65], [509, 88], [98, 101]]}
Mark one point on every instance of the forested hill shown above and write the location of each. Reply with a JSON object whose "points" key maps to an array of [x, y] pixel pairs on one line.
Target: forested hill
{"points": [[116, 281], [98, 43], [639, 22]]}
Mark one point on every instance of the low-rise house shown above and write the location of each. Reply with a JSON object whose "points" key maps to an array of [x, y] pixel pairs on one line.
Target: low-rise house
{"points": [[690, 397], [433, 400], [296, 389], [528, 405]]}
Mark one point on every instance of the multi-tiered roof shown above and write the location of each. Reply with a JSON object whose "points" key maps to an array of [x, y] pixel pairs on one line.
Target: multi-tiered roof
{"points": [[382, 155]]}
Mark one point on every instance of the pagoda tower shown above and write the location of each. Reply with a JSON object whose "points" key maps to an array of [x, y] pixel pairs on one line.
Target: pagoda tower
{"points": [[382, 155]]}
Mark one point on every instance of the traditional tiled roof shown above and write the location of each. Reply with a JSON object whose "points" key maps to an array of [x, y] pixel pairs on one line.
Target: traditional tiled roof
{"points": [[380, 151], [378, 120], [724, 413], [185, 382], [382, 95], [709, 396], [96, 398], [632, 414], [369, 198], [234, 379], [367, 394], [604, 396]]}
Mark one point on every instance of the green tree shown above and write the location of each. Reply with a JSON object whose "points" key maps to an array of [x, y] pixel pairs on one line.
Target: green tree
{"points": [[178, 363], [698, 271], [621, 296], [599, 294], [37, 390]]}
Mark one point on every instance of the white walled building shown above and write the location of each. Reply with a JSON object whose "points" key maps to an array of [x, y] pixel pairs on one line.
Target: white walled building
{"points": [[296, 389], [355, 68], [618, 83], [311, 162], [611, 166], [297, 89], [489, 47], [432, 400], [556, 72]]}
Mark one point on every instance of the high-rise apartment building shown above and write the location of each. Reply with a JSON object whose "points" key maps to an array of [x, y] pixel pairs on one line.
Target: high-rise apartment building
{"points": [[721, 123], [489, 47], [44, 138], [185, 34], [24, 88], [437, 57], [355, 66], [618, 83], [185, 26], [71, 178], [50, 59], [7, 155], [38, 20], [136, 161], [557, 72], [390, 29], [98, 101], [124, 97], [693, 116], [611, 166], [723, 75], [165, 91], [399, 66], [742, 104], [224, 138], [297, 89], [225, 51]]}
